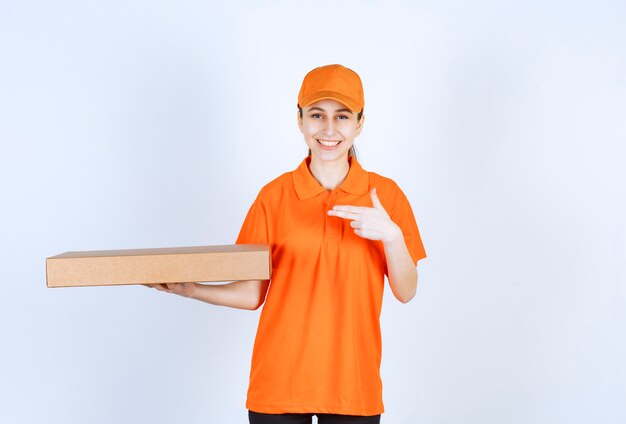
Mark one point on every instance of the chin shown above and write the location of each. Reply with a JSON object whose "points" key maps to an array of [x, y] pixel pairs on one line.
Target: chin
{"points": [[330, 156]]}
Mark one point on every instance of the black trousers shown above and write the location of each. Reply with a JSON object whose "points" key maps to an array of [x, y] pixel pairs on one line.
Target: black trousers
{"points": [[259, 418]]}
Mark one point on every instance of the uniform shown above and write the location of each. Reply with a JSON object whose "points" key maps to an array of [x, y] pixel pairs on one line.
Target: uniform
{"points": [[318, 344]]}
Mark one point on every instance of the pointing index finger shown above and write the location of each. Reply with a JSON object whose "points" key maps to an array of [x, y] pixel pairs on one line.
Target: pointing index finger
{"points": [[349, 208], [344, 214]]}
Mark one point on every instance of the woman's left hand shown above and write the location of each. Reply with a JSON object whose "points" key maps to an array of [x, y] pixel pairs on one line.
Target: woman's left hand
{"points": [[370, 223]]}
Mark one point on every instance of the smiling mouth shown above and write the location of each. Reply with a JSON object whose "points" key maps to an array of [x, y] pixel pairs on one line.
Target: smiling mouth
{"points": [[328, 143]]}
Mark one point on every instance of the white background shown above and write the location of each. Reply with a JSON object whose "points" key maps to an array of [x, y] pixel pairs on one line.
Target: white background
{"points": [[128, 124]]}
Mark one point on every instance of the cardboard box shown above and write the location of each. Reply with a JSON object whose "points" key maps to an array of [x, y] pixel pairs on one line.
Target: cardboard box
{"points": [[159, 265]]}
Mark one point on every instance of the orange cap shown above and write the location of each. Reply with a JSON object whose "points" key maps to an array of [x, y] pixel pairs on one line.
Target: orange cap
{"points": [[332, 82]]}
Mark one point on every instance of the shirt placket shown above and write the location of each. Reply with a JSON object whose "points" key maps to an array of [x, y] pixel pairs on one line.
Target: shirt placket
{"points": [[332, 224]]}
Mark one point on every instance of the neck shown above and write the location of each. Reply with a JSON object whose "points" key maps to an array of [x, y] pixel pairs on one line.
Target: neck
{"points": [[330, 174]]}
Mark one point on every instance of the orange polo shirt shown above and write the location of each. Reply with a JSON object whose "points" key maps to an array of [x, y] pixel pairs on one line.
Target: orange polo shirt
{"points": [[318, 344]]}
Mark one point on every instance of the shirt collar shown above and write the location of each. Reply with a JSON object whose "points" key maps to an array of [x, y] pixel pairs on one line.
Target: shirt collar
{"points": [[356, 182]]}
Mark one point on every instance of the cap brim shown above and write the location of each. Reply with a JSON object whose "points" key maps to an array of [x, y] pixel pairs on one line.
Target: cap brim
{"points": [[325, 95]]}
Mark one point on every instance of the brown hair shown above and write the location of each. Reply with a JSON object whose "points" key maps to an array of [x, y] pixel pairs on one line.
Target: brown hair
{"points": [[352, 151]]}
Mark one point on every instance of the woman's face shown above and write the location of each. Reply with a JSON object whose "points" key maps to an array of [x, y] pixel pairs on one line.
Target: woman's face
{"points": [[329, 129]]}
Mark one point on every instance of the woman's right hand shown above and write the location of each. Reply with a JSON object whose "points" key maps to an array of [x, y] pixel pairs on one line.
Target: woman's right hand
{"points": [[182, 289]]}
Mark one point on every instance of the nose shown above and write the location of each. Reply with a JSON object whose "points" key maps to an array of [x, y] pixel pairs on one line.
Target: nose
{"points": [[329, 127]]}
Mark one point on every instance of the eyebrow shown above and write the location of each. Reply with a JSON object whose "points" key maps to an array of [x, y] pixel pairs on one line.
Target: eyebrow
{"points": [[338, 110]]}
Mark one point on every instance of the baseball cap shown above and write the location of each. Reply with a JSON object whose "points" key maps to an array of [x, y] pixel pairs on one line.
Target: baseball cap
{"points": [[332, 82]]}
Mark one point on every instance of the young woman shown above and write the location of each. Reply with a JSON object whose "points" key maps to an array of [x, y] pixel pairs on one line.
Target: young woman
{"points": [[335, 231]]}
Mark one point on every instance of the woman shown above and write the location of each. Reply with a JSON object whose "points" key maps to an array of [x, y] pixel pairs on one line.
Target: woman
{"points": [[335, 231]]}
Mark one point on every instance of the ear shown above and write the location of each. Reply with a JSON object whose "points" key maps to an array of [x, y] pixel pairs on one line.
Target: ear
{"points": [[299, 120], [359, 125]]}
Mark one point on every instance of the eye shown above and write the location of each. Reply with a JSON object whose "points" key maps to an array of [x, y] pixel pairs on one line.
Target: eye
{"points": [[315, 115], [342, 117]]}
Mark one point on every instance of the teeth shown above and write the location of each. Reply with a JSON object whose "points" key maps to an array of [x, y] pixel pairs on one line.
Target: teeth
{"points": [[328, 143]]}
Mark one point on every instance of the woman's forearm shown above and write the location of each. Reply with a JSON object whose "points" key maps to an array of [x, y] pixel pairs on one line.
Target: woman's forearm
{"points": [[239, 294], [401, 269]]}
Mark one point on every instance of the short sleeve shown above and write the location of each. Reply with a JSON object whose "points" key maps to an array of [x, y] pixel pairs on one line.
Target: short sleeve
{"points": [[254, 227], [402, 214]]}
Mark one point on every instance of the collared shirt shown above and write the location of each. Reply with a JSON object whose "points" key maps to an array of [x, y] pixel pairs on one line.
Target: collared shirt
{"points": [[318, 344]]}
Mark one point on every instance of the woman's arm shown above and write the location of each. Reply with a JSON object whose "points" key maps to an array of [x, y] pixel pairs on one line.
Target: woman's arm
{"points": [[375, 224], [238, 294], [400, 268]]}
